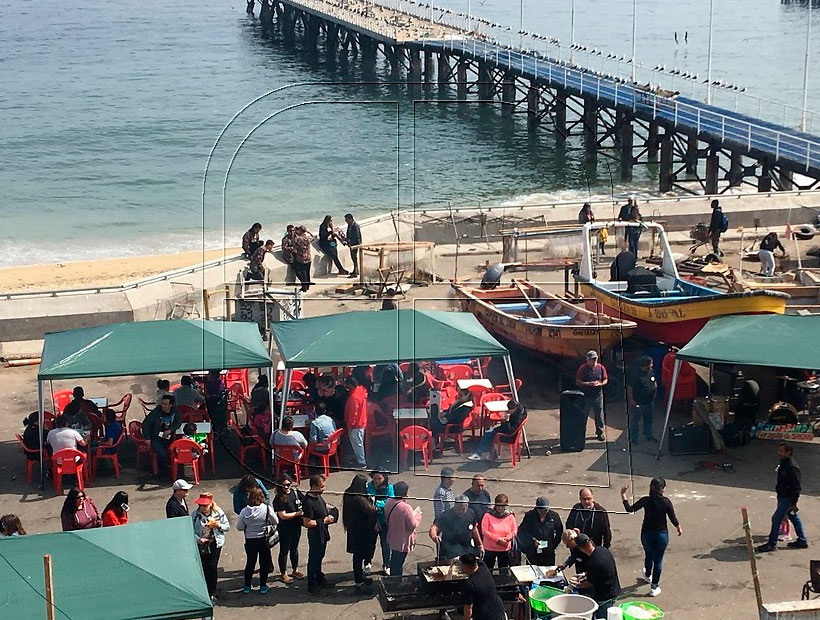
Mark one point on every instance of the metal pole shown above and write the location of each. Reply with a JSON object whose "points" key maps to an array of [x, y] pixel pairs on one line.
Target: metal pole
{"points": [[521, 26], [634, 33], [469, 15], [709, 54], [571, 30], [806, 71]]}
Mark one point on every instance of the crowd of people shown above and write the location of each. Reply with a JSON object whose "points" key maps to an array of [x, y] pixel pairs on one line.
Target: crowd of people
{"points": [[296, 249]]}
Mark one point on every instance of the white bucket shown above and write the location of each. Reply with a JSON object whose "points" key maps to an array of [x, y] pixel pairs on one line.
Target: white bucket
{"points": [[568, 606]]}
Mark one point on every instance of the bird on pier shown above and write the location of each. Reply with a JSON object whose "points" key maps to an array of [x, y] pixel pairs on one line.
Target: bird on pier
{"points": [[676, 37]]}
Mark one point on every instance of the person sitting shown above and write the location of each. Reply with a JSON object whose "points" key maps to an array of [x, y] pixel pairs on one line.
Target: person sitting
{"points": [[79, 512], [116, 511], [113, 430], [517, 415], [61, 437], [76, 412], [333, 398], [163, 389], [216, 400], [310, 394], [32, 436], [286, 436], [322, 426], [10, 525], [390, 388], [260, 396], [186, 395], [250, 240], [189, 431], [456, 414], [257, 264], [159, 427], [419, 391]]}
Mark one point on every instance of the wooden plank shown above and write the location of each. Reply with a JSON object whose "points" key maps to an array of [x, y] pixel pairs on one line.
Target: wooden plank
{"points": [[49, 587], [527, 297], [752, 560]]}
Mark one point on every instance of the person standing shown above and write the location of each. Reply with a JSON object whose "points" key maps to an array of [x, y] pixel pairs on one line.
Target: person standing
{"points": [[252, 521], [480, 500], [601, 574], [210, 524], [590, 518], [288, 507], [356, 420], [591, 377], [455, 532], [788, 493], [381, 490], [765, 253], [302, 256], [718, 224], [250, 240], [654, 531], [402, 522], [240, 492], [328, 243], [483, 602], [576, 556], [257, 265], [633, 233], [289, 253], [641, 388], [176, 506], [624, 215], [360, 520], [498, 530], [159, 427], [317, 519], [443, 496], [353, 240], [585, 215], [540, 533]]}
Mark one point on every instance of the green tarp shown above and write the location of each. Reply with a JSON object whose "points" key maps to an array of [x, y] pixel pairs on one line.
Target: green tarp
{"points": [[141, 570], [151, 347], [779, 340], [383, 337]]}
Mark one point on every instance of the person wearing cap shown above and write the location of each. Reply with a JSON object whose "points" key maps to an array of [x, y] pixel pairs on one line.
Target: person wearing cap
{"points": [[591, 377], [482, 600], [516, 414], [480, 500], [590, 518], [455, 532], [601, 575], [539, 533], [641, 388], [210, 524], [443, 497], [176, 505], [498, 529]]}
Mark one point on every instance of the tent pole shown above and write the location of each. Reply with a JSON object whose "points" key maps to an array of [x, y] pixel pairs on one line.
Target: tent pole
{"points": [[271, 388], [41, 412], [285, 394], [511, 378], [669, 401], [51, 389], [711, 370]]}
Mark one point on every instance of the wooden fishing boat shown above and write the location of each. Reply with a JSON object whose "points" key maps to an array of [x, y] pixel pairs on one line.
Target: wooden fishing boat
{"points": [[524, 314], [667, 309]]}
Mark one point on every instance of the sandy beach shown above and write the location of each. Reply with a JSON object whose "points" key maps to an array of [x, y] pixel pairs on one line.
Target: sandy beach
{"points": [[105, 272]]}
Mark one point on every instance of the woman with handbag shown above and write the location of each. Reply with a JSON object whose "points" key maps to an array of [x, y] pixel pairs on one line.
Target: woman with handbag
{"points": [[210, 525], [360, 520], [288, 507], [258, 521]]}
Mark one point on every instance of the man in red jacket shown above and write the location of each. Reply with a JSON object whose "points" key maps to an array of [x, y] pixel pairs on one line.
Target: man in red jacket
{"points": [[356, 420]]}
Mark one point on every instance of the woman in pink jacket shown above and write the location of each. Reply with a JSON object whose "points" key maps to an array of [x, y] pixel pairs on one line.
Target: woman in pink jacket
{"points": [[498, 528], [402, 522]]}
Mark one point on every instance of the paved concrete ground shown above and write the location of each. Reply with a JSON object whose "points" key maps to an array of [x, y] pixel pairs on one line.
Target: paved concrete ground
{"points": [[706, 574]]}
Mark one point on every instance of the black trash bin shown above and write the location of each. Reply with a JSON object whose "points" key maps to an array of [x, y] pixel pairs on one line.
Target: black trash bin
{"points": [[573, 421]]}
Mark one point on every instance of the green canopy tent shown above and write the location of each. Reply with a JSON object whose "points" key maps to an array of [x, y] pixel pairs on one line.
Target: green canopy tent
{"points": [[149, 347], [778, 340], [389, 337], [141, 570]]}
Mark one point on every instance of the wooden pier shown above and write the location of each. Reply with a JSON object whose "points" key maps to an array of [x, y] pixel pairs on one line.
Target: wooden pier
{"points": [[636, 124]]}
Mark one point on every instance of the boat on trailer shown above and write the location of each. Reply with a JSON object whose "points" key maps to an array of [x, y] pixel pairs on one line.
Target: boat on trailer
{"points": [[526, 315], [665, 307]]}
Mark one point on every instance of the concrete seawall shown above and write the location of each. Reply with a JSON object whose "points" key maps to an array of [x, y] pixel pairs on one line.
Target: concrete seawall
{"points": [[25, 317]]}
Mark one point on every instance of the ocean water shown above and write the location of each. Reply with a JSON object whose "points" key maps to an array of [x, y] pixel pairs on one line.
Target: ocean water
{"points": [[109, 113]]}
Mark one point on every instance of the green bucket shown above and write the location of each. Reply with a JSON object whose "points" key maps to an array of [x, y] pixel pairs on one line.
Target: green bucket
{"points": [[652, 612], [539, 597]]}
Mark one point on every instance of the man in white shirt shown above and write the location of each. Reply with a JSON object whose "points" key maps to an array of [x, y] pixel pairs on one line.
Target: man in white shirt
{"points": [[60, 437]]}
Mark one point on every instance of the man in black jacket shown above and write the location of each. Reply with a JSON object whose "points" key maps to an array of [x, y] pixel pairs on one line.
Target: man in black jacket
{"points": [[590, 518], [540, 533], [159, 427], [788, 492], [176, 506], [601, 575], [716, 226]]}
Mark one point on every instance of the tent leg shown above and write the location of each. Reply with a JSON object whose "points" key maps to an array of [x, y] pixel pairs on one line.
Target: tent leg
{"points": [[669, 401], [711, 378], [285, 394], [271, 388], [41, 411], [511, 379]]}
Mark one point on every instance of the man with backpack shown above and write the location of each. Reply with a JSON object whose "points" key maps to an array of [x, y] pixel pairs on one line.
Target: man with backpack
{"points": [[717, 225]]}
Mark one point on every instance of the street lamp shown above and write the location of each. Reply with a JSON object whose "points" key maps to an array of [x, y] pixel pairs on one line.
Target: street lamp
{"points": [[571, 29], [806, 71], [709, 53], [634, 33], [521, 25]]}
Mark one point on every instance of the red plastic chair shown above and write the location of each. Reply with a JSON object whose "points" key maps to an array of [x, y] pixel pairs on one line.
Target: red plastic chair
{"points": [[235, 398], [61, 399], [288, 457], [331, 445], [251, 443], [477, 391], [488, 418], [416, 439], [238, 376], [97, 428], [456, 433], [143, 445], [147, 405], [512, 440], [120, 409], [33, 464], [458, 371], [68, 462], [186, 452], [379, 424], [48, 420], [99, 454], [504, 388], [192, 414], [686, 387]]}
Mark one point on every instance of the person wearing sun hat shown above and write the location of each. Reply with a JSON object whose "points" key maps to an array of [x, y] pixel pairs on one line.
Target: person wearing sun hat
{"points": [[210, 525]]}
